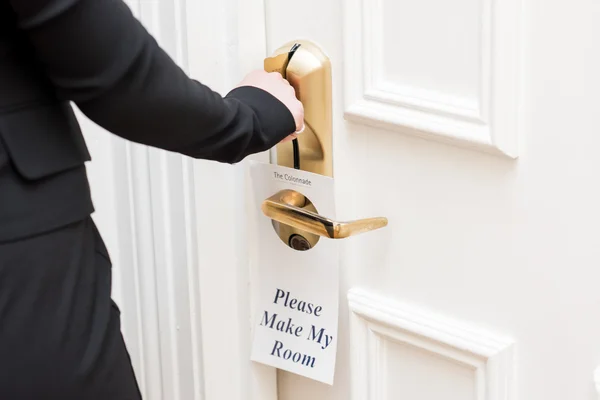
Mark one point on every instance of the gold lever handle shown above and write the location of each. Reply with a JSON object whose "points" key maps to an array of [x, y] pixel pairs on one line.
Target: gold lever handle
{"points": [[286, 207]]}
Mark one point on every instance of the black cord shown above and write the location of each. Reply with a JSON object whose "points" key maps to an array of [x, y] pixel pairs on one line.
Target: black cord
{"points": [[296, 154], [295, 141], [293, 50]]}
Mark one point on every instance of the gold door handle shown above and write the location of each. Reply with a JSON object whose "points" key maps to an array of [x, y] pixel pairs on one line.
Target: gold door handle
{"points": [[294, 217], [286, 207]]}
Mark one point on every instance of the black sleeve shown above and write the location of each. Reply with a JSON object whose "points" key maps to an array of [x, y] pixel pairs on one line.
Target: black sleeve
{"points": [[98, 55]]}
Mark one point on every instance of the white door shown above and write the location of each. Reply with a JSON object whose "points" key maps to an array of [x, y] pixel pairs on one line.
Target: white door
{"points": [[472, 125]]}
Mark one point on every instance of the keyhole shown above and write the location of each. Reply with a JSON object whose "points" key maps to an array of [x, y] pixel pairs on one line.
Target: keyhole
{"points": [[295, 238], [299, 242]]}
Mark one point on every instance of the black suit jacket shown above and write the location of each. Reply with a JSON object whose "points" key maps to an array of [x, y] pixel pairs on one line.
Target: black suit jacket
{"points": [[95, 54]]}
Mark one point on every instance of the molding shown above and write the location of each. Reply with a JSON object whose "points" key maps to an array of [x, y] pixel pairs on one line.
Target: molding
{"points": [[163, 234], [114, 190], [488, 123], [376, 320], [145, 211]]}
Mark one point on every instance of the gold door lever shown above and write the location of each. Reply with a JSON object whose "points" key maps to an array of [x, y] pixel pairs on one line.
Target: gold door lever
{"points": [[286, 207], [294, 217]]}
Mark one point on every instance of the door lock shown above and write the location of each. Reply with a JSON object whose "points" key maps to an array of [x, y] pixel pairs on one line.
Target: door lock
{"points": [[299, 242], [297, 222], [308, 70]]}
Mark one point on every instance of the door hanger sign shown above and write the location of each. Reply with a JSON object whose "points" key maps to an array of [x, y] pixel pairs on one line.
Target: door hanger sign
{"points": [[296, 326]]}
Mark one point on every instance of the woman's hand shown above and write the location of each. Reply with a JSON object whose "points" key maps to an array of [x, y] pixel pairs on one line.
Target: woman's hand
{"points": [[273, 83]]}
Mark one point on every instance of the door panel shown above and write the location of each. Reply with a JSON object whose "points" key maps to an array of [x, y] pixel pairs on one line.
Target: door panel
{"points": [[471, 126], [450, 75]]}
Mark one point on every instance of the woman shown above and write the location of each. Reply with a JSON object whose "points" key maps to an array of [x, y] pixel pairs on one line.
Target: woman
{"points": [[60, 333]]}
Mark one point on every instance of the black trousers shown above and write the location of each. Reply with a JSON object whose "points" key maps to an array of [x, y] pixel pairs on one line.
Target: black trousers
{"points": [[60, 335]]}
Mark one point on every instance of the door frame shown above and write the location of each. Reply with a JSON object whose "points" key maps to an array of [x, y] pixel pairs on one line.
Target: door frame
{"points": [[237, 40], [185, 293]]}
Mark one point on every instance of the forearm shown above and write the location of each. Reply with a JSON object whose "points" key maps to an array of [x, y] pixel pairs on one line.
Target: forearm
{"points": [[100, 57]]}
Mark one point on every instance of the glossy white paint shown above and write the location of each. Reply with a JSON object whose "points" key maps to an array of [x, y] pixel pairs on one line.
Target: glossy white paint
{"points": [[490, 190], [450, 75], [398, 349]]}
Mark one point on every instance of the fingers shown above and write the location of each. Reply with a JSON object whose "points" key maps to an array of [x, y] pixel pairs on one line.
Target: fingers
{"points": [[276, 76], [299, 117], [275, 84], [297, 109], [289, 138]]}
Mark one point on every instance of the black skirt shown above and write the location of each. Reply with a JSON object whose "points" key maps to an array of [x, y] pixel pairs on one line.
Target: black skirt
{"points": [[60, 335]]}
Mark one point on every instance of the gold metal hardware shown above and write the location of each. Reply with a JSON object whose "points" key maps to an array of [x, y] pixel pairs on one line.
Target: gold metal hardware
{"points": [[287, 207], [294, 217], [309, 72]]}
